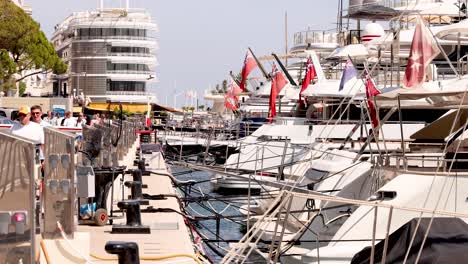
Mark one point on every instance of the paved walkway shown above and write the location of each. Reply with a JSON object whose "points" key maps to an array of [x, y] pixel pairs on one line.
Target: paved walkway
{"points": [[169, 236]]}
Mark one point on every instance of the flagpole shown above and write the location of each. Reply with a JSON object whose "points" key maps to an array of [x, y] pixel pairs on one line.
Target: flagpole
{"points": [[291, 80], [259, 64], [286, 36], [234, 78], [279, 104]]}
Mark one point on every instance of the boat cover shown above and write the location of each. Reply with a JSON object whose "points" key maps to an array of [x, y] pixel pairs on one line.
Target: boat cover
{"points": [[447, 242]]}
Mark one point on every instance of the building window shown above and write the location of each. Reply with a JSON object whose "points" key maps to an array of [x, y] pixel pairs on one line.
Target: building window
{"points": [[127, 67], [125, 86], [139, 50], [110, 32]]}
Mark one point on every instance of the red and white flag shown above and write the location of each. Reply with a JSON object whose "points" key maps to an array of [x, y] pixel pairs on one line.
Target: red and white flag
{"points": [[309, 76], [371, 91], [278, 82], [235, 88], [423, 50], [249, 64], [231, 101]]}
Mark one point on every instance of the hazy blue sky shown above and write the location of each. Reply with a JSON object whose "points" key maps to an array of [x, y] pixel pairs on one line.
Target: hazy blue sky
{"points": [[201, 41]]}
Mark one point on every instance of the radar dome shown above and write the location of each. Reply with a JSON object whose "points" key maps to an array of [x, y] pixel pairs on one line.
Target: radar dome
{"points": [[372, 31]]}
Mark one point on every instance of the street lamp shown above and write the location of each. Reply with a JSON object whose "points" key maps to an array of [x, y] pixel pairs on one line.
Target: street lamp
{"points": [[78, 75], [148, 109]]}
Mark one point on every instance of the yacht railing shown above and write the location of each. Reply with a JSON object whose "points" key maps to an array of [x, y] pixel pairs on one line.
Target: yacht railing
{"points": [[427, 161], [280, 213], [357, 4], [315, 37]]}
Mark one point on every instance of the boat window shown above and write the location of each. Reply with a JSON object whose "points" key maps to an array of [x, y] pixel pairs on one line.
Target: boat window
{"points": [[316, 175], [383, 196], [264, 138], [3, 114]]}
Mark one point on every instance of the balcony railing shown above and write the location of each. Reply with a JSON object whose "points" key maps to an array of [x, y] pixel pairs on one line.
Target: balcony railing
{"points": [[129, 72], [147, 38], [134, 93], [131, 54]]}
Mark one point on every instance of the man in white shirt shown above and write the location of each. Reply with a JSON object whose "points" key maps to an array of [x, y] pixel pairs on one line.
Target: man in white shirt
{"points": [[29, 130], [69, 121], [36, 116]]}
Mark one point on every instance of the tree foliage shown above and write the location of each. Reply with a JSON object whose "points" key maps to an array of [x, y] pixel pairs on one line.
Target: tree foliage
{"points": [[21, 88], [26, 45], [225, 85], [7, 65]]}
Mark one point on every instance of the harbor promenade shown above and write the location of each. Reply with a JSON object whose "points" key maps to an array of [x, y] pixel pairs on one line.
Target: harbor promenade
{"points": [[170, 240]]}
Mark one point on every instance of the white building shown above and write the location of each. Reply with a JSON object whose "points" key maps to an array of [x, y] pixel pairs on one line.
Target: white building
{"points": [[25, 7], [110, 52]]}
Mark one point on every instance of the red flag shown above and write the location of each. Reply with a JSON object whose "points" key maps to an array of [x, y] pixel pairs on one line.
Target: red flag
{"points": [[309, 76], [236, 90], [231, 101], [423, 50], [249, 64], [371, 91], [278, 82]]}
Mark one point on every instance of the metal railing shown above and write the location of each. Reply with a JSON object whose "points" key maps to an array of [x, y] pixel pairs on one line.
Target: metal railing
{"points": [[386, 3], [315, 36], [131, 54], [129, 93], [129, 72], [19, 170], [147, 38]]}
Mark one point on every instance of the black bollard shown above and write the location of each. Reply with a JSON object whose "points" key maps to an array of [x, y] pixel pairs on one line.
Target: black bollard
{"points": [[137, 175], [133, 216], [135, 189], [127, 252], [142, 167]]}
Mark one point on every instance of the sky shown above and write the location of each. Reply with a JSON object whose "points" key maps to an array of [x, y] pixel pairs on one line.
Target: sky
{"points": [[201, 41]]}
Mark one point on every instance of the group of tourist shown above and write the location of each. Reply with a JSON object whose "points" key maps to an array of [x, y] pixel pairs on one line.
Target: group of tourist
{"points": [[54, 119], [31, 122]]}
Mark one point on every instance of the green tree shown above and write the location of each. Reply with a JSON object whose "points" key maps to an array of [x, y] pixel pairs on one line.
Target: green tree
{"points": [[27, 46], [7, 65], [225, 86], [22, 88], [7, 69]]}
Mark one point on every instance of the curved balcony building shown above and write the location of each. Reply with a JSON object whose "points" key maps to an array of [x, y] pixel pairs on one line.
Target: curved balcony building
{"points": [[110, 53]]}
